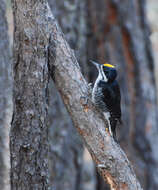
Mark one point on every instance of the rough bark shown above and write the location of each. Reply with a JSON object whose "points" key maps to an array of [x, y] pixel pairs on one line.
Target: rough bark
{"points": [[71, 17], [5, 98], [111, 161], [29, 131], [121, 36], [29, 161]]}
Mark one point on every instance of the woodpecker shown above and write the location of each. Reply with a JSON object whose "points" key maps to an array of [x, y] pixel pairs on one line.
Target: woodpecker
{"points": [[106, 95]]}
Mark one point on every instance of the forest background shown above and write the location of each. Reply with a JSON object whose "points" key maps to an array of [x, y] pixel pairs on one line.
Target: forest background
{"points": [[73, 166]]}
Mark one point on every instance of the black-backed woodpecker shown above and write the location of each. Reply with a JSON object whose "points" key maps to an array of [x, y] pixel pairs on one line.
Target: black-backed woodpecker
{"points": [[106, 95]]}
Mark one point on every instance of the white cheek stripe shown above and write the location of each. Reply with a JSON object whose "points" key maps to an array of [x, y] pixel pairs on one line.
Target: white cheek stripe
{"points": [[104, 76]]}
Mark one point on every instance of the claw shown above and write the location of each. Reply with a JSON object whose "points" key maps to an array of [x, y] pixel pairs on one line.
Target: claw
{"points": [[84, 100]]}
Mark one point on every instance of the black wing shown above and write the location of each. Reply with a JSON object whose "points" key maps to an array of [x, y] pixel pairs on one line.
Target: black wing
{"points": [[112, 98]]}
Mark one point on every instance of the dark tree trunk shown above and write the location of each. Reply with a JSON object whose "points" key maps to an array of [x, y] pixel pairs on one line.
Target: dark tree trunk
{"points": [[120, 35], [5, 98], [29, 131]]}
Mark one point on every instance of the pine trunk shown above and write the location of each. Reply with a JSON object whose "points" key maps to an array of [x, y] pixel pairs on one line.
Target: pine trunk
{"points": [[29, 129], [34, 25], [111, 161], [69, 154]]}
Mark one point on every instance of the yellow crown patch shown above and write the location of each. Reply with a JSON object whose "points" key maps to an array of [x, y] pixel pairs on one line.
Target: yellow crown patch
{"points": [[109, 65]]}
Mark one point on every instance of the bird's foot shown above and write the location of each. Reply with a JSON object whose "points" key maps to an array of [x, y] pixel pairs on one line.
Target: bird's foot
{"points": [[84, 100]]}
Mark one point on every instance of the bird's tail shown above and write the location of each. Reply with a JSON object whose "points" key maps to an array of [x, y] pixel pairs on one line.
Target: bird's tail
{"points": [[113, 123]]}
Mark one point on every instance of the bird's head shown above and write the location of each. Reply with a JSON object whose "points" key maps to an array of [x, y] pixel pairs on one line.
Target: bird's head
{"points": [[107, 72]]}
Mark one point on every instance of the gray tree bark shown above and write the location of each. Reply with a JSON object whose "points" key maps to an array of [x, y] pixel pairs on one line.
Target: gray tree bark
{"points": [[35, 28], [69, 154], [121, 36], [29, 129], [5, 98], [110, 159]]}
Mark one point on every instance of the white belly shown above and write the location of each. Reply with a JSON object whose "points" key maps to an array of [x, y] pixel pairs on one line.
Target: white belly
{"points": [[98, 97]]}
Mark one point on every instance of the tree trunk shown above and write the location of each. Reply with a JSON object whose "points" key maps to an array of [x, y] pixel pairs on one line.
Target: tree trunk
{"points": [[110, 38], [70, 16], [120, 35], [5, 98], [28, 154], [110, 159], [29, 131]]}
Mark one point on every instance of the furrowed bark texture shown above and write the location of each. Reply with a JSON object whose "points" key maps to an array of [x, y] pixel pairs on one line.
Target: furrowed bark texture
{"points": [[88, 121], [70, 16], [5, 98], [29, 132], [121, 36], [28, 154]]}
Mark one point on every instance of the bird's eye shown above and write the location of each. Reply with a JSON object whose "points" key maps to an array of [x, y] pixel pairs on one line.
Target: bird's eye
{"points": [[105, 71]]}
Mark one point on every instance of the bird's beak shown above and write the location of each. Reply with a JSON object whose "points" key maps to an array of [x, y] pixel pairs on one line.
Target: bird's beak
{"points": [[96, 64]]}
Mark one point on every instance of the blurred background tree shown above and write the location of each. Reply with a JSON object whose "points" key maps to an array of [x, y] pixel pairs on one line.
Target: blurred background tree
{"points": [[116, 32], [120, 36], [5, 98]]}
